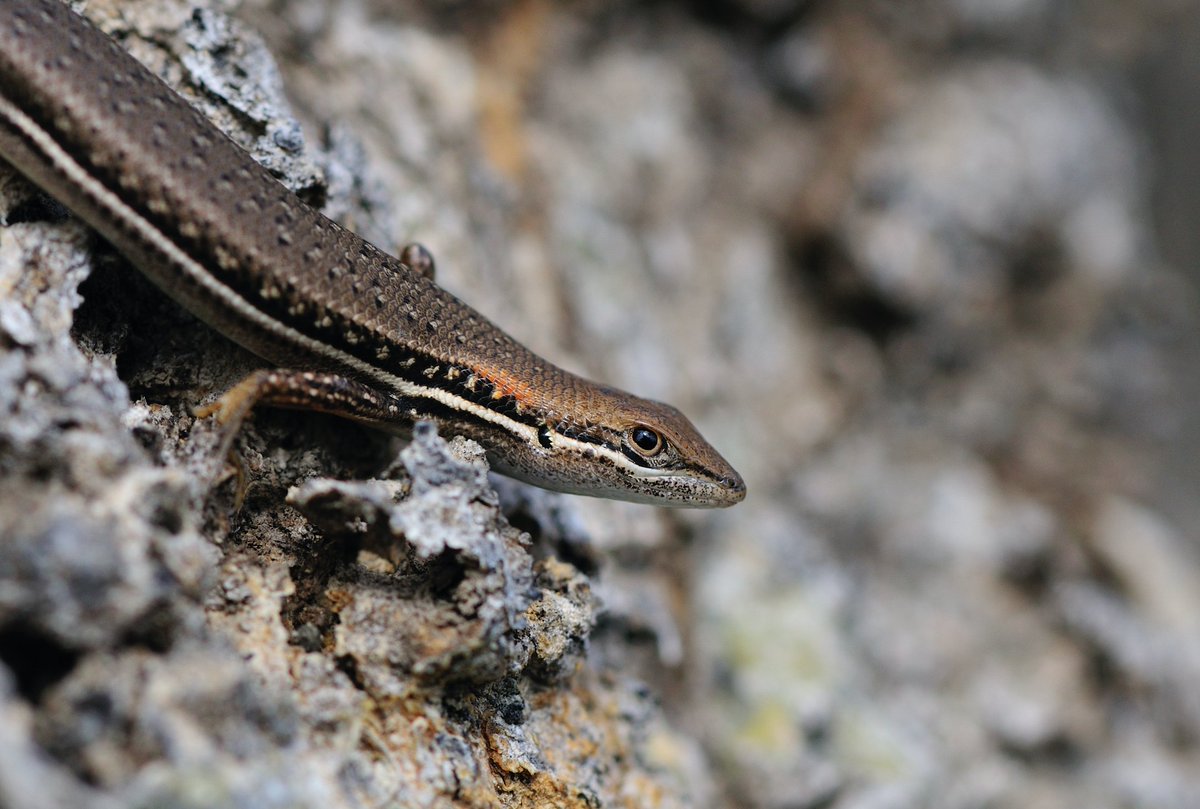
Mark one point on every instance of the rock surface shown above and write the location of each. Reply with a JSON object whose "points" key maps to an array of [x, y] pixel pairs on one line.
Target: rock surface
{"points": [[898, 266]]}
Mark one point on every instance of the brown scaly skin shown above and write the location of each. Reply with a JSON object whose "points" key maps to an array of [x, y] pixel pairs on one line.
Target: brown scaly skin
{"points": [[371, 338]]}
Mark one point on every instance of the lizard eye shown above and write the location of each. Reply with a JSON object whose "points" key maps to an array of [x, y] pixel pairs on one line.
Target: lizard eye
{"points": [[647, 442]]}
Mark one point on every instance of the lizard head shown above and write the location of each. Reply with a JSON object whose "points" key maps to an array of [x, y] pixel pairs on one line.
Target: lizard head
{"points": [[627, 448]]}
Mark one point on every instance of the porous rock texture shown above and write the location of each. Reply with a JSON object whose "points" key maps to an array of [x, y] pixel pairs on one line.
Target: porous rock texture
{"points": [[894, 259]]}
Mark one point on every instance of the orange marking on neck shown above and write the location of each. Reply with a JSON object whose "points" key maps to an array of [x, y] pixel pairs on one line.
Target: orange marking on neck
{"points": [[505, 384]]}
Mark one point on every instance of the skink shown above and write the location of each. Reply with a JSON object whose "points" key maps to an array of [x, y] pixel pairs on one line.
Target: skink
{"points": [[354, 331]]}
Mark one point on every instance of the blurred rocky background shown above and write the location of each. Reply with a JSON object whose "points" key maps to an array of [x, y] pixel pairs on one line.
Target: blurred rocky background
{"points": [[923, 271]]}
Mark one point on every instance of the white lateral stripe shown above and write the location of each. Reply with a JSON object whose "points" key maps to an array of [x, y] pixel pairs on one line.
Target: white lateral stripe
{"points": [[579, 448]]}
